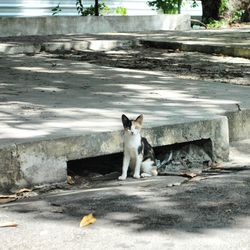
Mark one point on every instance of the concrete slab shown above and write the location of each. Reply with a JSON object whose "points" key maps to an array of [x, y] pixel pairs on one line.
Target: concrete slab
{"points": [[226, 42], [55, 43], [16, 26], [235, 42], [210, 213], [75, 112], [54, 110]]}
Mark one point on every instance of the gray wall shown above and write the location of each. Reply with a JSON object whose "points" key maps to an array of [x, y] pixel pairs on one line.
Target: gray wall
{"points": [[16, 26]]}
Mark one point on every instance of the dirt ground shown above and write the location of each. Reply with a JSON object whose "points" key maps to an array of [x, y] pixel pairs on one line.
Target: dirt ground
{"points": [[187, 65]]}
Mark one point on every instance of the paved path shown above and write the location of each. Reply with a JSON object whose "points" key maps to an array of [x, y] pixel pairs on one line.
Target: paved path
{"points": [[230, 42], [46, 98], [43, 98], [212, 213]]}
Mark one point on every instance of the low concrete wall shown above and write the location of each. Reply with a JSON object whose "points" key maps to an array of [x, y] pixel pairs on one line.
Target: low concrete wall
{"points": [[46, 161], [17, 26], [229, 50], [239, 124]]}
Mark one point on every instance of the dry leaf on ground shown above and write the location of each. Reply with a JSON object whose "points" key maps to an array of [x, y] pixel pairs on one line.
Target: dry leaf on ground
{"points": [[23, 190], [87, 220], [198, 178], [7, 198], [70, 180], [8, 224], [188, 174]]}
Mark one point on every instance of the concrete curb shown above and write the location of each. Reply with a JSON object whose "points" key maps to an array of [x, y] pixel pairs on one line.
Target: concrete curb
{"points": [[51, 47], [51, 25], [46, 161], [192, 46], [239, 124], [12, 48]]}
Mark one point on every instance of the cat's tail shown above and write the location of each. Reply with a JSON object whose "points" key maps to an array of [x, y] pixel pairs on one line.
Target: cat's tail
{"points": [[167, 159]]}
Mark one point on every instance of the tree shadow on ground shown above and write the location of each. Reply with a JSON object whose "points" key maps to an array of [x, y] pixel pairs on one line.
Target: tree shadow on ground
{"points": [[214, 203], [53, 96]]}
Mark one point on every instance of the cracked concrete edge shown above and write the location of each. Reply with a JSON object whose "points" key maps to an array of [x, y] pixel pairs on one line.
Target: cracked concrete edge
{"points": [[94, 45], [234, 51], [51, 47], [105, 45], [52, 25], [239, 124], [46, 161]]}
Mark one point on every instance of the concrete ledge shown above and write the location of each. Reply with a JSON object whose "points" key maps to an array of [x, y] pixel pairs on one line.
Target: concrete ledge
{"points": [[206, 48], [95, 45], [17, 26], [51, 47], [239, 124], [46, 161]]}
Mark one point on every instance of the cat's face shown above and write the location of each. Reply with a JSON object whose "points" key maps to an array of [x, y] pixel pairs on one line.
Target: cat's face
{"points": [[132, 127]]}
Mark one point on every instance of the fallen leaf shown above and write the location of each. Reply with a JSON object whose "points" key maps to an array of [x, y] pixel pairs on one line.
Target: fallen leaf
{"points": [[212, 164], [216, 165], [87, 219], [8, 224], [188, 174], [7, 198], [198, 178], [70, 180], [23, 190]]}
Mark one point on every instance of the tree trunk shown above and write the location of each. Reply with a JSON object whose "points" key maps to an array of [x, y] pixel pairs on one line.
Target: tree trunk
{"points": [[246, 15], [179, 6], [211, 9], [96, 8]]}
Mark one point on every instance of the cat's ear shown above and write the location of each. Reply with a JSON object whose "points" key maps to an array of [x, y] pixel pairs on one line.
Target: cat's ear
{"points": [[125, 121], [139, 119]]}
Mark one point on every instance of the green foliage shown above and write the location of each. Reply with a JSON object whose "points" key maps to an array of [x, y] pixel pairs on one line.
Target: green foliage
{"points": [[215, 24], [90, 11], [194, 4], [103, 9], [237, 15], [167, 6], [121, 11], [232, 10], [223, 5], [79, 6], [56, 10]]}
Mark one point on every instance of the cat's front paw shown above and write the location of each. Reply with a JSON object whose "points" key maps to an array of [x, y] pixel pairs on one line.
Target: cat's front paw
{"points": [[122, 178], [136, 176], [143, 175]]}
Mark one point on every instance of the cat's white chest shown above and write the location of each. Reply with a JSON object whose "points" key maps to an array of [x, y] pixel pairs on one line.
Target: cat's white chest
{"points": [[131, 144]]}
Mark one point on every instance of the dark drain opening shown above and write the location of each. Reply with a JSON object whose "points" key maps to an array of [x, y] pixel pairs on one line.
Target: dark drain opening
{"points": [[95, 166], [110, 166], [196, 148]]}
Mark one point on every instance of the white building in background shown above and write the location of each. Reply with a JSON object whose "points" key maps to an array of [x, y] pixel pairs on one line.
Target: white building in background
{"points": [[43, 7]]}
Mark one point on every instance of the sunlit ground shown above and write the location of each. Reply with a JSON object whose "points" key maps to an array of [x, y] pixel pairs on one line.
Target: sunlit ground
{"points": [[41, 97]]}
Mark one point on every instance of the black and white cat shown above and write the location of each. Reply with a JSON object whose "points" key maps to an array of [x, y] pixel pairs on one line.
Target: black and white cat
{"points": [[138, 153]]}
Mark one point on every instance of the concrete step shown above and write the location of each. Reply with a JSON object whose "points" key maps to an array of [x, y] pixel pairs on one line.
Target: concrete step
{"points": [[54, 110], [226, 42], [10, 48], [228, 50], [45, 161]]}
